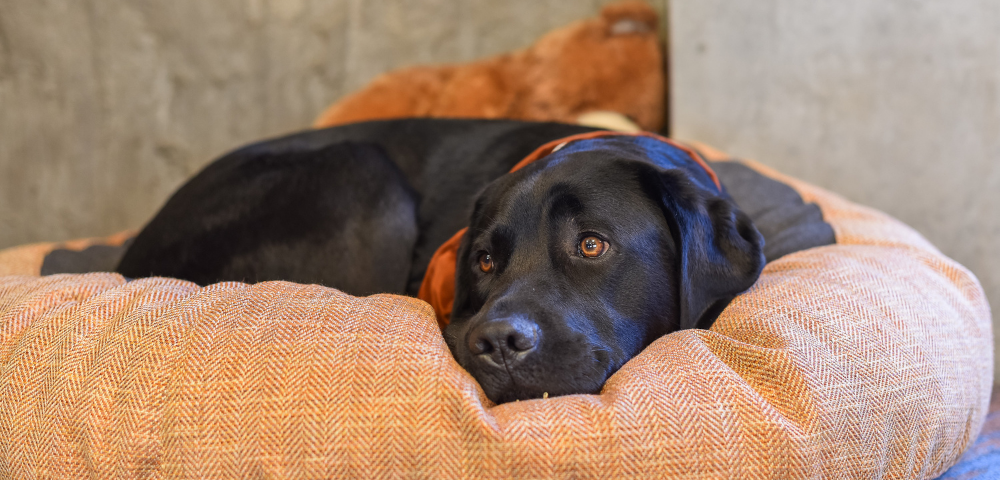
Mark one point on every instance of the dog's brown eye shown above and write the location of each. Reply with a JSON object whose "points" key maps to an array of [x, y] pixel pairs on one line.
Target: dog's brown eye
{"points": [[592, 246], [485, 262]]}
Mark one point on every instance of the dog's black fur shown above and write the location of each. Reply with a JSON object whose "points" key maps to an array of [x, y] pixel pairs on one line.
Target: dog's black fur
{"points": [[363, 207]]}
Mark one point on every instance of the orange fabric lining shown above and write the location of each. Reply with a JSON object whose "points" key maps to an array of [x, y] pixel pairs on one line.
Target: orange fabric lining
{"points": [[438, 286]]}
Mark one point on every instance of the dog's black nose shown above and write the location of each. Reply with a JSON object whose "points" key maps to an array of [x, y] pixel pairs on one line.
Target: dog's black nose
{"points": [[504, 339]]}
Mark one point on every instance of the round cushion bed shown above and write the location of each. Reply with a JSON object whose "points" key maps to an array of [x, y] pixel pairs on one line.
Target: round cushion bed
{"points": [[869, 358]]}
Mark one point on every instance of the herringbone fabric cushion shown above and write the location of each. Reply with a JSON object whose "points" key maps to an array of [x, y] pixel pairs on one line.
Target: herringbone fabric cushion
{"points": [[871, 358]]}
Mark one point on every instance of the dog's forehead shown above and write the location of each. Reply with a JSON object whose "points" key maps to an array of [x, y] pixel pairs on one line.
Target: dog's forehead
{"points": [[591, 183], [656, 152]]}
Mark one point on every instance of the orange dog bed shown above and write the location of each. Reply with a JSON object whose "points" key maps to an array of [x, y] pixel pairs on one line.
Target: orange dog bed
{"points": [[870, 358]]}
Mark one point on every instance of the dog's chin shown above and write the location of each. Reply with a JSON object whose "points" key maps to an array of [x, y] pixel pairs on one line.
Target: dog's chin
{"points": [[501, 387], [512, 392]]}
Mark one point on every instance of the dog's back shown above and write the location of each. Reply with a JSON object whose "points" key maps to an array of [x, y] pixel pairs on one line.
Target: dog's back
{"points": [[360, 207]]}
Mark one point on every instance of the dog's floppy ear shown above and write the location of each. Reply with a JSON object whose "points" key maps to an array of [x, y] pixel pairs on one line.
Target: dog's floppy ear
{"points": [[467, 300], [464, 304], [721, 253]]}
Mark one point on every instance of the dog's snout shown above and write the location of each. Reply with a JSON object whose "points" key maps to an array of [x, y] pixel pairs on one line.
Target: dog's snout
{"points": [[505, 339]]}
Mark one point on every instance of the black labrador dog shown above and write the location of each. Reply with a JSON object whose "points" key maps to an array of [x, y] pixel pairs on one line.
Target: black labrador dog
{"points": [[570, 267]]}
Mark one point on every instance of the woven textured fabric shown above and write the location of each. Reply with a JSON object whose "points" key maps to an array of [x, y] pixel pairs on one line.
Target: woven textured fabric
{"points": [[871, 358]]}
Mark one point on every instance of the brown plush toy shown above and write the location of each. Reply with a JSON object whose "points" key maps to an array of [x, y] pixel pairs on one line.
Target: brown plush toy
{"points": [[611, 63]]}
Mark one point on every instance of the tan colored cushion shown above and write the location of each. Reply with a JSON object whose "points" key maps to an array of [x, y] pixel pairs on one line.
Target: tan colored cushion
{"points": [[868, 358]]}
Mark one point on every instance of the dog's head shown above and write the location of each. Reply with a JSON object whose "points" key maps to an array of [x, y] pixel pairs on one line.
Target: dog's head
{"points": [[575, 263]]}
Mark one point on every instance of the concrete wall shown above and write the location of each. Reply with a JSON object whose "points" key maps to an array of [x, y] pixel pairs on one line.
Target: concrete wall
{"points": [[106, 106], [894, 104]]}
